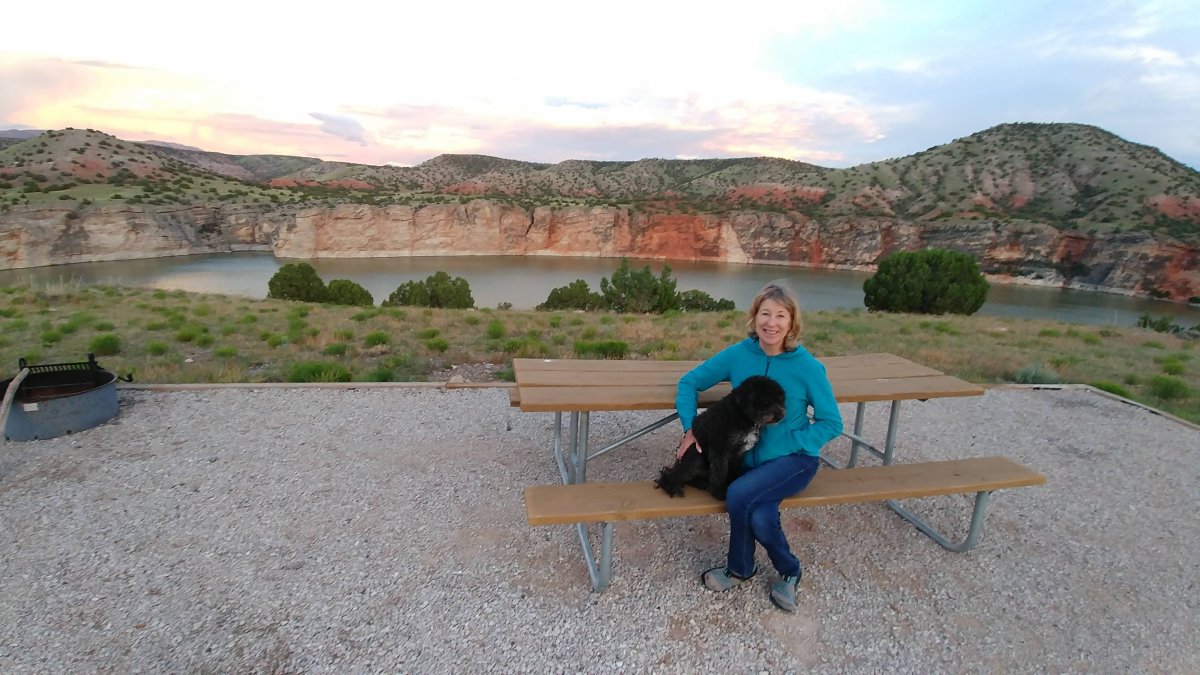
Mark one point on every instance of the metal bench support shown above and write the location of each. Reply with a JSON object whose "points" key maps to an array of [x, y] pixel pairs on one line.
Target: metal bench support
{"points": [[600, 571], [977, 514], [600, 568]]}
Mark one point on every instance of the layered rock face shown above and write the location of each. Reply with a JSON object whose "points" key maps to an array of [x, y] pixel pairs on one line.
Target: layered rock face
{"points": [[51, 235], [1124, 262]]}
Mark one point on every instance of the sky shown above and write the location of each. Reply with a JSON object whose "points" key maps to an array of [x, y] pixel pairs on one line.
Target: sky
{"points": [[836, 83]]}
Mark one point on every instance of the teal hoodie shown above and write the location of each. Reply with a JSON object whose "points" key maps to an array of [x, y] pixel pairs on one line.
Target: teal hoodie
{"points": [[804, 381]]}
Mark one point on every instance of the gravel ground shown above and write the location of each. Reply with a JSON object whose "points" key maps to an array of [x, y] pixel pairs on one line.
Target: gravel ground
{"points": [[363, 530]]}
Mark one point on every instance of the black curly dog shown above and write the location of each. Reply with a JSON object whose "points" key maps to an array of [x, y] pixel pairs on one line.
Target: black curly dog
{"points": [[725, 431]]}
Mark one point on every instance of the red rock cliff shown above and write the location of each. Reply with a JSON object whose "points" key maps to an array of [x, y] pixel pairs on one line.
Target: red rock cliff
{"points": [[1124, 262]]}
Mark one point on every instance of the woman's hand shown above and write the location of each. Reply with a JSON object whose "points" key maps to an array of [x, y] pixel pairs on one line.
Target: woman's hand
{"points": [[687, 441]]}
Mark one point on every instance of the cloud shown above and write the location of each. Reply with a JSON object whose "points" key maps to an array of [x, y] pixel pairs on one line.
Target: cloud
{"points": [[342, 127], [27, 85]]}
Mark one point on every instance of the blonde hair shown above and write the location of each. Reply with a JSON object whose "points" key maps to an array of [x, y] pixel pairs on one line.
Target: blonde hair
{"points": [[779, 293]]}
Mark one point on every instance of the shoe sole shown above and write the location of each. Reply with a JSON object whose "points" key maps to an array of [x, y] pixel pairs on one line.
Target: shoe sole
{"points": [[781, 607]]}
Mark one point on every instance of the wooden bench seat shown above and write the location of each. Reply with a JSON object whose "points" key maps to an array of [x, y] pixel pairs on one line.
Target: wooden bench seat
{"points": [[605, 503]]}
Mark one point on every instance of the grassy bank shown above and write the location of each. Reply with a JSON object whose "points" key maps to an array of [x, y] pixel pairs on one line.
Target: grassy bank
{"points": [[178, 337]]}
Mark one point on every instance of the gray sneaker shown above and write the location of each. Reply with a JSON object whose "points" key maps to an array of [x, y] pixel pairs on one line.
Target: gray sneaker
{"points": [[720, 579], [783, 593]]}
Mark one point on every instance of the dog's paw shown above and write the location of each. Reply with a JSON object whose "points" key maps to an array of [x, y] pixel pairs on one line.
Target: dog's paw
{"points": [[671, 488]]}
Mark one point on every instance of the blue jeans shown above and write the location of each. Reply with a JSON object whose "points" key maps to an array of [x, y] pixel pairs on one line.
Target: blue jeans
{"points": [[753, 505]]}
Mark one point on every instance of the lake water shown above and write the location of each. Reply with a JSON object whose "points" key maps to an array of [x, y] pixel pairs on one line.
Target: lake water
{"points": [[526, 281]]}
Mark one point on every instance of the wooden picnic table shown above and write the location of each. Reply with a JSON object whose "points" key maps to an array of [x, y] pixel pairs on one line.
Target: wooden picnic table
{"points": [[579, 387]]}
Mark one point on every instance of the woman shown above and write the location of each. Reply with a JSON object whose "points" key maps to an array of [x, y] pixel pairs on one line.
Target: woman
{"points": [[787, 454]]}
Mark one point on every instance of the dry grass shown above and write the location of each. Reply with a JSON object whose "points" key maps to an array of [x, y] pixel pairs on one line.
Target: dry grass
{"points": [[177, 337]]}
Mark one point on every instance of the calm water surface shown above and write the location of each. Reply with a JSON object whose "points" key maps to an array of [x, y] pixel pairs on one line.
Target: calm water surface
{"points": [[526, 281]]}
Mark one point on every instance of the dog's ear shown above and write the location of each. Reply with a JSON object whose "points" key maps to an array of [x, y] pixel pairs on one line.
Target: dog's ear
{"points": [[744, 397]]}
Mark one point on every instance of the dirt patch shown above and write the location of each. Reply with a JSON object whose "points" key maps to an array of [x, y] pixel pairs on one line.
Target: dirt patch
{"points": [[467, 372]]}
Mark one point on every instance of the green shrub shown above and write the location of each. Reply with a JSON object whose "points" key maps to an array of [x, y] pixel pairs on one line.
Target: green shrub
{"points": [[346, 292], [638, 291], [933, 281], [1167, 388], [335, 349], [438, 345], [51, 336], [495, 329], [107, 344], [605, 349], [226, 329], [699, 301], [938, 326], [225, 352], [274, 340], [575, 295], [426, 333], [377, 338], [319, 371], [297, 281], [381, 374], [1064, 361], [1112, 388], [1162, 324], [188, 334], [1049, 332], [438, 290], [204, 340], [343, 334], [411, 293], [1035, 373], [156, 348], [471, 320], [247, 318], [1172, 367]]}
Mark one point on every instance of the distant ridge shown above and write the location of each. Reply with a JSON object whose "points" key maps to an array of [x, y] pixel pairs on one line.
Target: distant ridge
{"points": [[1069, 176]]}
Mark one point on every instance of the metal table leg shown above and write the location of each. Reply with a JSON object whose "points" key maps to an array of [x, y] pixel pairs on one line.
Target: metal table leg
{"points": [[580, 443], [858, 442]]}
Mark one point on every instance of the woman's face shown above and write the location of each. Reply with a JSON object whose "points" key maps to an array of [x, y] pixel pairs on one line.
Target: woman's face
{"points": [[771, 324]]}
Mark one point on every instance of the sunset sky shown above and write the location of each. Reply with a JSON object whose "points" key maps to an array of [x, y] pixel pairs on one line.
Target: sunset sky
{"points": [[836, 83]]}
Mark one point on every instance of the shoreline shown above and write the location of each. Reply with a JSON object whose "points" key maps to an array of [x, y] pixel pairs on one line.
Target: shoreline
{"points": [[1003, 280]]}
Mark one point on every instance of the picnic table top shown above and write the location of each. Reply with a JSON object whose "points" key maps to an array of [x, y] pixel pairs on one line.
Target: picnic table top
{"points": [[578, 385]]}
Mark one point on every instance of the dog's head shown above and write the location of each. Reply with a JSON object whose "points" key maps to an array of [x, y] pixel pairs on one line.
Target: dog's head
{"points": [[761, 399]]}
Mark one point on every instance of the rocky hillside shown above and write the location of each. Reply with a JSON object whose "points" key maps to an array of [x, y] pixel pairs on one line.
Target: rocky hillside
{"points": [[1036, 202]]}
